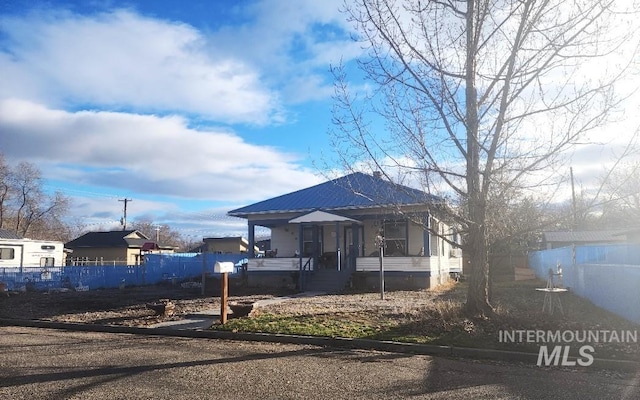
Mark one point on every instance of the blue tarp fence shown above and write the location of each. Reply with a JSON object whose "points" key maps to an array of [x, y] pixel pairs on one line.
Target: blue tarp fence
{"points": [[609, 276], [156, 268]]}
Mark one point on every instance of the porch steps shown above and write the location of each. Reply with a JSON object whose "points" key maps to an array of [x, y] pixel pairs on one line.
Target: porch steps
{"points": [[328, 281]]}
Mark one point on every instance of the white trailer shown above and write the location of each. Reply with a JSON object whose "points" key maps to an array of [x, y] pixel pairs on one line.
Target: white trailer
{"points": [[23, 253]]}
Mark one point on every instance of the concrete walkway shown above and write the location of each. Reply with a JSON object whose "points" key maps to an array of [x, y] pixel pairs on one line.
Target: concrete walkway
{"points": [[206, 318]]}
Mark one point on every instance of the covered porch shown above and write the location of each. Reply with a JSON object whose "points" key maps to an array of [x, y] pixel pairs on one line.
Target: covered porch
{"points": [[308, 243], [323, 241]]}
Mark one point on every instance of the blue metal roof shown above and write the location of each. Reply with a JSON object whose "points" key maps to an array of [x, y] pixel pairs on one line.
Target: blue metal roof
{"points": [[354, 191]]}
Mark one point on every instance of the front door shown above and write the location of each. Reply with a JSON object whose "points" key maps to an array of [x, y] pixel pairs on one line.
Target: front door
{"points": [[351, 248]]}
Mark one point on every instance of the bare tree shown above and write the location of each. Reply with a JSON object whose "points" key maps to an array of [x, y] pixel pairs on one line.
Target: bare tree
{"points": [[622, 191], [480, 97], [162, 234], [25, 207], [4, 188]]}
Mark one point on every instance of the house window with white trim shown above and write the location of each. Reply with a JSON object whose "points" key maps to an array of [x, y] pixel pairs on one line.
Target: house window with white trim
{"points": [[307, 241], [395, 238], [433, 236]]}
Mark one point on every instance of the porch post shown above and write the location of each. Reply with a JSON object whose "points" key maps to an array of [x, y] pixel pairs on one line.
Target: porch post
{"points": [[300, 244], [355, 252], [316, 243], [338, 245], [252, 240]]}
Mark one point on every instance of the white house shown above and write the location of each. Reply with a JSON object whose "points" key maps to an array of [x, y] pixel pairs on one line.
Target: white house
{"points": [[324, 237]]}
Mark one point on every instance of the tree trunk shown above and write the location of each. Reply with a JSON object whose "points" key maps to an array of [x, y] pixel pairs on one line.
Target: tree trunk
{"points": [[478, 294]]}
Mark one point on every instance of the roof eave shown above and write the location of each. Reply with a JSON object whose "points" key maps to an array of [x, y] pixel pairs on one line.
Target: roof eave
{"points": [[343, 208]]}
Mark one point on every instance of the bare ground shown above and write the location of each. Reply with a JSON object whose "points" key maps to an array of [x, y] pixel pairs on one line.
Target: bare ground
{"points": [[431, 316], [126, 307]]}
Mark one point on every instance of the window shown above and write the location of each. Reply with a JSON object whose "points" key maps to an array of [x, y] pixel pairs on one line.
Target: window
{"points": [[7, 253], [395, 238], [307, 241], [46, 262], [433, 236]]}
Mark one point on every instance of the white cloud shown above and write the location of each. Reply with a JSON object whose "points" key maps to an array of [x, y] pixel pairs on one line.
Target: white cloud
{"points": [[104, 213], [147, 154], [109, 102], [123, 60], [294, 42]]}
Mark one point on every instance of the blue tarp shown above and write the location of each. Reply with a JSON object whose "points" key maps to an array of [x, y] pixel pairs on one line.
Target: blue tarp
{"points": [[156, 268], [608, 275]]}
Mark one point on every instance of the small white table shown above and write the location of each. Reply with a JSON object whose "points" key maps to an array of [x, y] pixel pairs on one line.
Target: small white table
{"points": [[552, 299]]}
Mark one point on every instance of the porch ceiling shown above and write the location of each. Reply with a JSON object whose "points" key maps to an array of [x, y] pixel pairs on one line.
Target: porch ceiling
{"points": [[318, 217]]}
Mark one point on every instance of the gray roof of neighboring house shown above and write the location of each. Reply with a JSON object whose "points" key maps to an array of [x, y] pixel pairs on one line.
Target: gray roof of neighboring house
{"points": [[108, 239], [357, 190], [7, 234], [601, 236]]}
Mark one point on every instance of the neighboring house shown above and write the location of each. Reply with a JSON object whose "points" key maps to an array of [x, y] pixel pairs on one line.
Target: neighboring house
{"points": [[227, 245], [113, 247], [325, 236], [557, 239]]}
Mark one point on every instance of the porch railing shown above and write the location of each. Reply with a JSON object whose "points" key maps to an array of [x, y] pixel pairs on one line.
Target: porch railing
{"points": [[402, 264], [274, 264]]}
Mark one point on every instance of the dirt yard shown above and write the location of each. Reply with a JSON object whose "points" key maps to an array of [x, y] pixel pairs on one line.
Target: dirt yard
{"points": [[430, 316], [126, 307]]}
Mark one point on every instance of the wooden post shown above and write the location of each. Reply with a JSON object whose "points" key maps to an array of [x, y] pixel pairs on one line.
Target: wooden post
{"points": [[223, 268], [224, 295]]}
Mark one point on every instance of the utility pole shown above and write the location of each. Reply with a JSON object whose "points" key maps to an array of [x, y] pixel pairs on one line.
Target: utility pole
{"points": [[123, 220]]}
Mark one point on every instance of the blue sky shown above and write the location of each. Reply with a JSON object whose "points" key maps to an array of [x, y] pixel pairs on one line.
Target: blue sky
{"points": [[190, 108]]}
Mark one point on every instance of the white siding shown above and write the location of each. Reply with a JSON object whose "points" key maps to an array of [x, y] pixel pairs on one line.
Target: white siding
{"points": [[29, 253], [285, 239], [402, 264], [275, 264]]}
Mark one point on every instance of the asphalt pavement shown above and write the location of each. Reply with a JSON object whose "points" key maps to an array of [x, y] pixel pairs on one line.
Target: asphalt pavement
{"points": [[39, 363], [186, 360]]}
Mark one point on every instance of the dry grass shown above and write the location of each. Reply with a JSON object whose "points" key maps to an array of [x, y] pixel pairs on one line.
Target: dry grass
{"points": [[426, 316], [437, 317]]}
